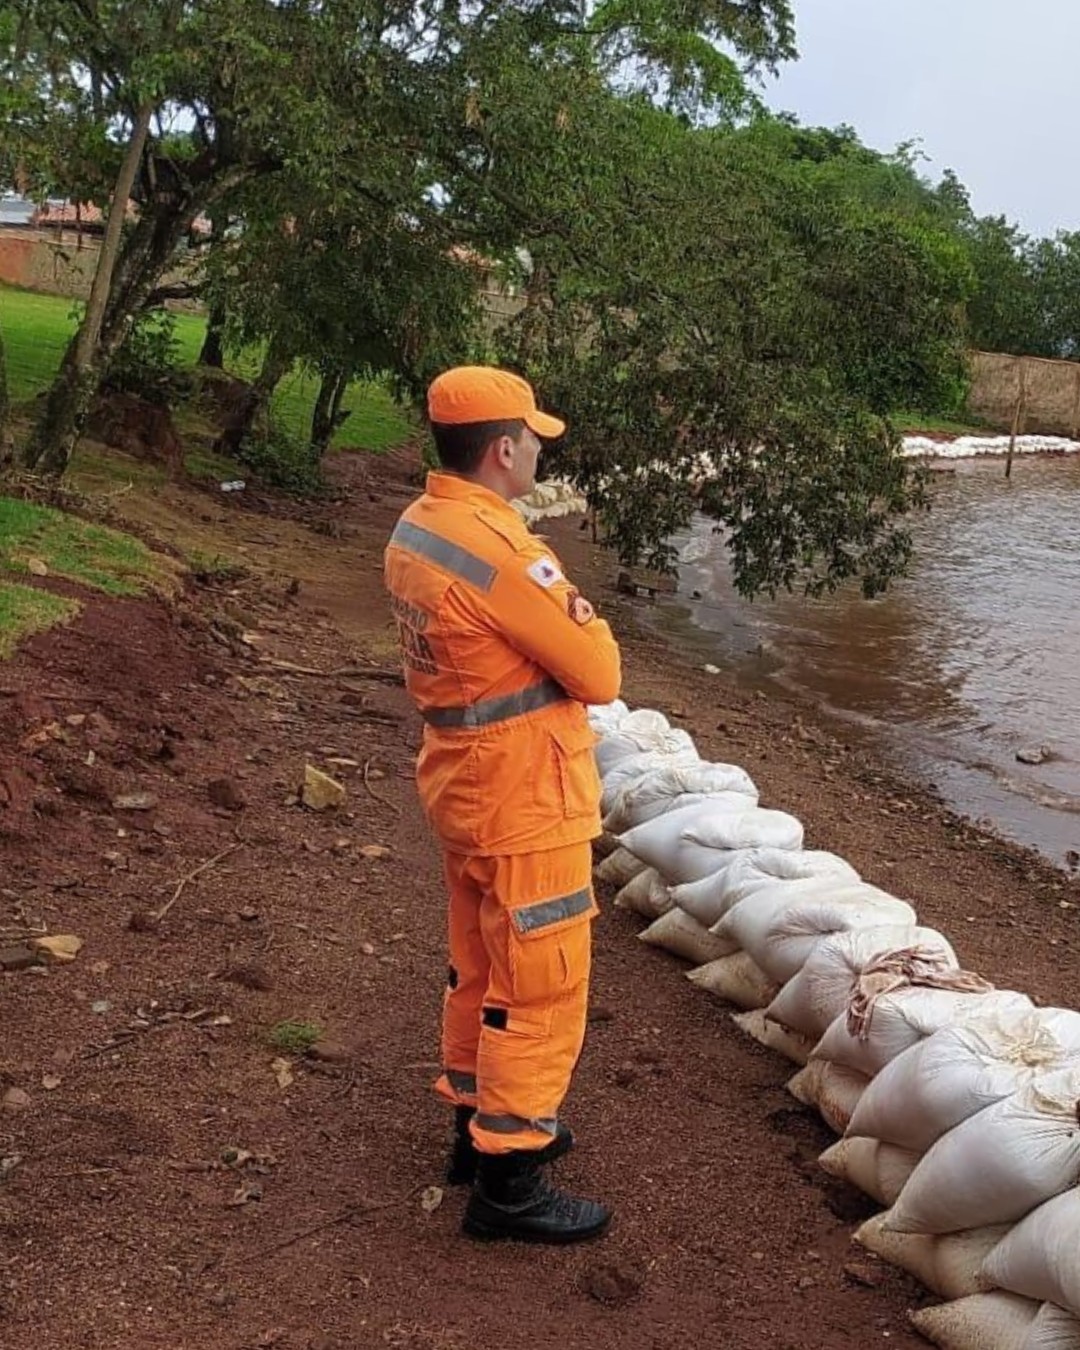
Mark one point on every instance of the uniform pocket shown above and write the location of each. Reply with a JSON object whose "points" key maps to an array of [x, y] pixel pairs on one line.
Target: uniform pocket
{"points": [[550, 947], [575, 763]]}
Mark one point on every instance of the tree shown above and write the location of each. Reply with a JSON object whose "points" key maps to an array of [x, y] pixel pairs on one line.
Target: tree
{"points": [[264, 85], [726, 336], [355, 97], [1005, 312]]}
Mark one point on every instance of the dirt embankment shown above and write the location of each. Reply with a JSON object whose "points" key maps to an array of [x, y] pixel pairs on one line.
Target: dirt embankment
{"points": [[168, 1184]]}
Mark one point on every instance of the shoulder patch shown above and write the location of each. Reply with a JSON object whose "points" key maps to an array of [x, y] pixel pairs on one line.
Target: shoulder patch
{"points": [[545, 572], [579, 608]]}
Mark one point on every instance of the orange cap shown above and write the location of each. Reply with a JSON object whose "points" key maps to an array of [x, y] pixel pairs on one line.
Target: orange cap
{"points": [[487, 394]]}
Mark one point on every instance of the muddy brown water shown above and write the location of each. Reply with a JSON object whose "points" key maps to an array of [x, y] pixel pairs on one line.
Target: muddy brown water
{"points": [[972, 658]]}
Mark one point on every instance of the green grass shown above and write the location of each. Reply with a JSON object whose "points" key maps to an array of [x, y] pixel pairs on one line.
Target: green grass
{"points": [[915, 424], [24, 610], [96, 556], [295, 1038], [36, 329]]}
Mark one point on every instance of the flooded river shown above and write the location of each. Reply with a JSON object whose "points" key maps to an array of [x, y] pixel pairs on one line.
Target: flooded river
{"points": [[973, 657]]}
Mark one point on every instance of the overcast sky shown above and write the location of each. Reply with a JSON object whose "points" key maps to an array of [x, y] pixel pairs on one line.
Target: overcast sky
{"points": [[988, 86]]}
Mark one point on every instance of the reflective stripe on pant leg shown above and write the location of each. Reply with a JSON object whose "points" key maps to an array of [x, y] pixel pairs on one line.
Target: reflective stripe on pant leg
{"points": [[515, 1124], [536, 918], [465, 986]]}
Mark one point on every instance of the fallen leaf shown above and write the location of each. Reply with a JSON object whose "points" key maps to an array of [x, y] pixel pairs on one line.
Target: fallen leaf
{"points": [[319, 791], [59, 947], [37, 567], [51, 1081], [431, 1199], [375, 851], [283, 1073]]}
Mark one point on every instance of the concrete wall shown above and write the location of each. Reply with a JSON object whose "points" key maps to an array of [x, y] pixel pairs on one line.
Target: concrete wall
{"points": [[59, 264], [1051, 391]]}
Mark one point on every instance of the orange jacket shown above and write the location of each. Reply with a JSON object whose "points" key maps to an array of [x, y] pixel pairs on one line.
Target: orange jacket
{"points": [[501, 655]]}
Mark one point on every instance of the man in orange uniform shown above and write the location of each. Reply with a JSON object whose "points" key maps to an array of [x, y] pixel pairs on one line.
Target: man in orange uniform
{"points": [[501, 656]]}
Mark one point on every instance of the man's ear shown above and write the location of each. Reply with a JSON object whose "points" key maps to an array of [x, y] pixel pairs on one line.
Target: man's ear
{"points": [[503, 450]]}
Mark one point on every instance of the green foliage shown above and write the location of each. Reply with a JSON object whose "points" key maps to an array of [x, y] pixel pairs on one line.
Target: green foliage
{"points": [[728, 312], [294, 1037], [725, 335], [148, 360], [283, 461]]}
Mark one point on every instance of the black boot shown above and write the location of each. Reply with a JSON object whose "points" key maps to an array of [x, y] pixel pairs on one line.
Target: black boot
{"points": [[511, 1199], [461, 1168]]}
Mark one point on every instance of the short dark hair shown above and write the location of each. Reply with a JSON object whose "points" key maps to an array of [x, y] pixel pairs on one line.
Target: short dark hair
{"points": [[461, 446]]}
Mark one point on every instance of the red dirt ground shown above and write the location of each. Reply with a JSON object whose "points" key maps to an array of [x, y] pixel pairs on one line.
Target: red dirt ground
{"points": [[146, 1062]]}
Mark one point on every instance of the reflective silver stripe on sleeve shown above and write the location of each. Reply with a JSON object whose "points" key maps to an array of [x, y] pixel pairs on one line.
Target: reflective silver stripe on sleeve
{"points": [[500, 709], [515, 1124], [461, 1082], [450, 557], [529, 918]]}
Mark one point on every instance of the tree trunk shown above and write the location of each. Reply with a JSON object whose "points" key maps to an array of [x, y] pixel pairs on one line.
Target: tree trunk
{"points": [[86, 357], [241, 422], [327, 415], [213, 352], [5, 405], [5, 401]]}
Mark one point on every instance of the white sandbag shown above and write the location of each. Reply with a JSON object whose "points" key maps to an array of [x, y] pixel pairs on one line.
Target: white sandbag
{"points": [[833, 1090], [979, 1322], [618, 868], [780, 924], [751, 870], [646, 894], [641, 765], [1053, 1329], [823, 987], [735, 979], [643, 729], [961, 1070], [998, 1165], [949, 1266], [761, 866], [772, 1035], [699, 840], [903, 1018], [1040, 1257], [669, 786], [605, 718], [878, 1170], [703, 899], [683, 936], [756, 827]]}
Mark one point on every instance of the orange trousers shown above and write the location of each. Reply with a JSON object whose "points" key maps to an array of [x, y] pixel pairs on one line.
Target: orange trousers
{"points": [[517, 995]]}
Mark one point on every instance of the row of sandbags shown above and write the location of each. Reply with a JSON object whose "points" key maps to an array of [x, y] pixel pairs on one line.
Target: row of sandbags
{"points": [[957, 1102], [549, 500]]}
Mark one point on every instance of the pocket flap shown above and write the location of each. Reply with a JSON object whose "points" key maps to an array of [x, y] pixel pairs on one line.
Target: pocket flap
{"points": [[543, 917], [574, 739]]}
